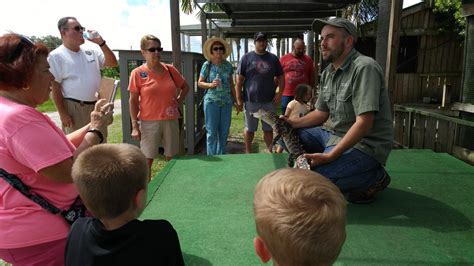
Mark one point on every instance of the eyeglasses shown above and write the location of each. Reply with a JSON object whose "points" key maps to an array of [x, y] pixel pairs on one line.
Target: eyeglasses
{"points": [[154, 49], [217, 48], [24, 42], [78, 28]]}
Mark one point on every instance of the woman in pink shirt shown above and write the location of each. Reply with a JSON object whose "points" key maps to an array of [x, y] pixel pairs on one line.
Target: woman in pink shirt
{"points": [[34, 149]]}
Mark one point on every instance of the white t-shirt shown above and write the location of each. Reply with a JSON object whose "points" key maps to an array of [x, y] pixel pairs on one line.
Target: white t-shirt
{"points": [[77, 72], [297, 109]]}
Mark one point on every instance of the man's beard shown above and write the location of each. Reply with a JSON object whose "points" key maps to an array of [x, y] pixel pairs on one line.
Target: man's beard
{"points": [[334, 54], [299, 54]]}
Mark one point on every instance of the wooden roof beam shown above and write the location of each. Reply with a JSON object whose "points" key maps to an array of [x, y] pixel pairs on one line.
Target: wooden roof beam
{"points": [[272, 14], [346, 2]]}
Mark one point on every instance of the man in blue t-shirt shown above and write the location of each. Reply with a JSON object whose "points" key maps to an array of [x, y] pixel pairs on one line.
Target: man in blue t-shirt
{"points": [[256, 83]]}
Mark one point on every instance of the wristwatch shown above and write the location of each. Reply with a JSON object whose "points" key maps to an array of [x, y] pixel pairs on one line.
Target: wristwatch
{"points": [[98, 133]]}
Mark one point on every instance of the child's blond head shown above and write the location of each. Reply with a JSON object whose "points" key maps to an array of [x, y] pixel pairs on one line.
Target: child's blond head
{"points": [[300, 216], [108, 177]]}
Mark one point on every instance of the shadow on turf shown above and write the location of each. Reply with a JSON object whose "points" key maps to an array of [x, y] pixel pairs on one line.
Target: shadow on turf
{"points": [[342, 260], [195, 260], [395, 207]]}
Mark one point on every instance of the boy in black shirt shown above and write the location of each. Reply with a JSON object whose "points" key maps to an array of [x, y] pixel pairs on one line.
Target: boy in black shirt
{"points": [[112, 181]]}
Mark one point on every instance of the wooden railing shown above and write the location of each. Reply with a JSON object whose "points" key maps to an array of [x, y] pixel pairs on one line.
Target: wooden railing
{"points": [[422, 128]]}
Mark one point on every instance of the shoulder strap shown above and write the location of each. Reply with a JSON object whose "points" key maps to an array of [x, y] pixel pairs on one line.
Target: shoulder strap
{"points": [[208, 70], [16, 183], [169, 72]]}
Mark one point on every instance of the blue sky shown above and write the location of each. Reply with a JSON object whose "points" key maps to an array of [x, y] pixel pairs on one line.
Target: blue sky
{"points": [[121, 22]]}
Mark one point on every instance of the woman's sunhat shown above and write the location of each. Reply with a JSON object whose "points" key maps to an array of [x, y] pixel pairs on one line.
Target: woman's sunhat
{"points": [[206, 49]]}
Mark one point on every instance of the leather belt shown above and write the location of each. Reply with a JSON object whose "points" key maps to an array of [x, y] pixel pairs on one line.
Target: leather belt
{"points": [[80, 102]]}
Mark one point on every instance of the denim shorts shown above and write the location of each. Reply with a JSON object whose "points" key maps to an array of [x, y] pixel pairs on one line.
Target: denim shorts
{"points": [[251, 123]]}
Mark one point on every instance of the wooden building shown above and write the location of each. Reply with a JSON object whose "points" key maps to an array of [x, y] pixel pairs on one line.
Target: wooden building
{"points": [[428, 84], [427, 59]]}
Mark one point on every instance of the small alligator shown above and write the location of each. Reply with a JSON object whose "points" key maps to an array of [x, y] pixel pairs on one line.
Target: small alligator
{"points": [[289, 135]]}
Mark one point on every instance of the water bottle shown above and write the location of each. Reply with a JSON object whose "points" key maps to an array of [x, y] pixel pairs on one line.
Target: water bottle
{"points": [[219, 87], [90, 34]]}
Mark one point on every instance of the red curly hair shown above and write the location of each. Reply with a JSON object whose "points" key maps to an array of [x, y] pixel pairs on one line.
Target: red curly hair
{"points": [[18, 56]]}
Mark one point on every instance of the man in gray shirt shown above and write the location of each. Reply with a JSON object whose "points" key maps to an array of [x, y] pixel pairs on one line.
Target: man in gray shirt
{"points": [[352, 148], [256, 85]]}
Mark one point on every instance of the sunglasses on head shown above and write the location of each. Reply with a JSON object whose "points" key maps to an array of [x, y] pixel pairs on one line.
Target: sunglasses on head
{"points": [[24, 42], [217, 48], [78, 28], [154, 49]]}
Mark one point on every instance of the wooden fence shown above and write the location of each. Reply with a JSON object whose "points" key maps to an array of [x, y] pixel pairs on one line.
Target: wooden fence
{"points": [[413, 87], [421, 128]]}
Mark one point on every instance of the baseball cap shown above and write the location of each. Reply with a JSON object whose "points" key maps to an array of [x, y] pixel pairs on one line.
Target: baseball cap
{"points": [[319, 23], [260, 35]]}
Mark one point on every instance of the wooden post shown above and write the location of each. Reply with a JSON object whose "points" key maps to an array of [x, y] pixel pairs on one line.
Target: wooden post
{"points": [[283, 44], [383, 22], [175, 40], [210, 28], [278, 48], [203, 29], [392, 47], [310, 44], [176, 46]]}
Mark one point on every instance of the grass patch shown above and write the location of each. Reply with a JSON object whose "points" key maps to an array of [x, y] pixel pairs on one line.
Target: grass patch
{"points": [[47, 106], [236, 133]]}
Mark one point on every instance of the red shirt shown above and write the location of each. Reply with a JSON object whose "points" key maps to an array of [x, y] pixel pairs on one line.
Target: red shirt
{"points": [[297, 70]]}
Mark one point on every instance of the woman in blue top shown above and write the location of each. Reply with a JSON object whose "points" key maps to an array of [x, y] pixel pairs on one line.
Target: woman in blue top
{"points": [[216, 78]]}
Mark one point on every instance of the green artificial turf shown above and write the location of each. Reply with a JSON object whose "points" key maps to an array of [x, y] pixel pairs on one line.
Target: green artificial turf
{"points": [[424, 217]]}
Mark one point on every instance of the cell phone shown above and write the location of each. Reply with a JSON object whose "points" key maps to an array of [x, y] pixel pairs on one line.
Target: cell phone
{"points": [[114, 91]]}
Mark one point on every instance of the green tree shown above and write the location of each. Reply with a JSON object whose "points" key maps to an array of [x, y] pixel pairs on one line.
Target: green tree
{"points": [[111, 72], [447, 14], [363, 12], [449, 18], [52, 42], [188, 7]]}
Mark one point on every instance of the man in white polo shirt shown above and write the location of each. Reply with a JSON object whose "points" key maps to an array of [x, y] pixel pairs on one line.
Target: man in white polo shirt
{"points": [[76, 73]]}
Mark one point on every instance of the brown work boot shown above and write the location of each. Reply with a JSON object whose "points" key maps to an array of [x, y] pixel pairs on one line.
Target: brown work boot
{"points": [[369, 195]]}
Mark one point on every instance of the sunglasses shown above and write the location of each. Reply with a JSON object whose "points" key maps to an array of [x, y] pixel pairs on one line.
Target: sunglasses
{"points": [[78, 28], [154, 49], [24, 42], [219, 48]]}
